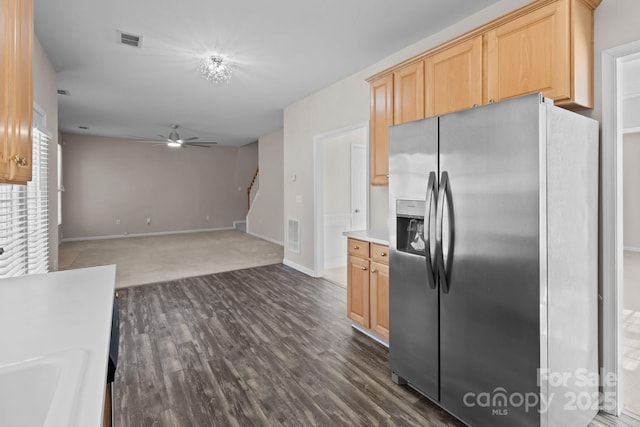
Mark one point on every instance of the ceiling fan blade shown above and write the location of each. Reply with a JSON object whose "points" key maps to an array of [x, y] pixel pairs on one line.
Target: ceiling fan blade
{"points": [[190, 139], [203, 142], [195, 144]]}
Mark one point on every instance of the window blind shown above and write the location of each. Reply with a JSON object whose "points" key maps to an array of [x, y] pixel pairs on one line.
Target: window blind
{"points": [[24, 231]]}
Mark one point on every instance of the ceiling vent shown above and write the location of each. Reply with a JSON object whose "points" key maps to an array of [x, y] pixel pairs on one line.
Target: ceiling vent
{"points": [[64, 92], [130, 39]]}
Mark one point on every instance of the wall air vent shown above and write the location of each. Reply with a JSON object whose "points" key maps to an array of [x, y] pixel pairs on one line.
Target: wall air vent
{"points": [[293, 235], [64, 92], [130, 39]]}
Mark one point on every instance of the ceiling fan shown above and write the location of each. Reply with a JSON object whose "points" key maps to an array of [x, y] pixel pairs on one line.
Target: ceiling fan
{"points": [[174, 140]]}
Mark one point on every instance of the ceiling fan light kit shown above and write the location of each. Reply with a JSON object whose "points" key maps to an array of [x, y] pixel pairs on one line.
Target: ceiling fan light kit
{"points": [[216, 69], [174, 140]]}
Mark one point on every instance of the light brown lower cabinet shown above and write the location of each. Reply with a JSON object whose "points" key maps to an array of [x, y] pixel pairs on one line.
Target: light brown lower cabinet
{"points": [[368, 287]]}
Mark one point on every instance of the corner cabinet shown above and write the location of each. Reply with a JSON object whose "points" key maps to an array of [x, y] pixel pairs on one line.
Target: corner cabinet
{"points": [[545, 46], [16, 91], [381, 119], [368, 287]]}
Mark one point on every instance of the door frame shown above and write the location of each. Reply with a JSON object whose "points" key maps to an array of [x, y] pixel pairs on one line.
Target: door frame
{"points": [[318, 188], [354, 149], [612, 222]]}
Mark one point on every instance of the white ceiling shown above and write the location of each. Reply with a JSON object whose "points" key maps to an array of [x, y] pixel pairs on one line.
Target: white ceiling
{"points": [[283, 50]]}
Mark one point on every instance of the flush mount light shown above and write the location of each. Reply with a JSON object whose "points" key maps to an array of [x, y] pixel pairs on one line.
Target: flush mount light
{"points": [[216, 69]]}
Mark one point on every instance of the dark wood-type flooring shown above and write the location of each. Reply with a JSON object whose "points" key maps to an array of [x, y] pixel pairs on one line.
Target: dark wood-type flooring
{"points": [[265, 346]]}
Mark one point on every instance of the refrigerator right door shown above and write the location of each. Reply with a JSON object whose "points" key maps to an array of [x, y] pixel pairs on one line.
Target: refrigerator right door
{"points": [[490, 292]]}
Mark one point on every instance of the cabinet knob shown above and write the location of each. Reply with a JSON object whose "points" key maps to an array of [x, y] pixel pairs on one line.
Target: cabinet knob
{"points": [[20, 161], [364, 268], [356, 247], [383, 254], [374, 271]]}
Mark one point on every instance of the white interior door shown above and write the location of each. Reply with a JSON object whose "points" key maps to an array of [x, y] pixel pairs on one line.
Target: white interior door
{"points": [[359, 206]]}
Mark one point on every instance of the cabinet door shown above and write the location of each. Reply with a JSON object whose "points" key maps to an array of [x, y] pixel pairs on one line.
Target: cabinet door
{"points": [[381, 119], [408, 93], [358, 291], [454, 78], [531, 54], [380, 300], [17, 96], [7, 51]]}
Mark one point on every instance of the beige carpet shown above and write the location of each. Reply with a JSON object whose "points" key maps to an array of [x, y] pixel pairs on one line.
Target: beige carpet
{"points": [[141, 260]]}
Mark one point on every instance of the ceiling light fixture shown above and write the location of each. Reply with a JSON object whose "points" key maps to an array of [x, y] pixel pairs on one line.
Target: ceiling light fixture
{"points": [[216, 69]]}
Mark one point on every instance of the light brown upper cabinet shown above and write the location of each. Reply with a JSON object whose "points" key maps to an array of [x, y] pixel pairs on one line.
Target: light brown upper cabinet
{"points": [[381, 119], [549, 50], [16, 91], [529, 54], [545, 46], [408, 93], [454, 78]]}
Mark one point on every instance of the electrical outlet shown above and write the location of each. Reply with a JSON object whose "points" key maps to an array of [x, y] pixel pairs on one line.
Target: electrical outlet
{"points": [[148, 220], [208, 217], [118, 221]]}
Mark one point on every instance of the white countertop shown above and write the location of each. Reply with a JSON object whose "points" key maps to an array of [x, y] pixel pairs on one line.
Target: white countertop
{"points": [[380, 237], [60, 320]]}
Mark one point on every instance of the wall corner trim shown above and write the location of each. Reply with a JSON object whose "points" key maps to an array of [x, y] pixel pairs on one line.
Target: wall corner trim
{"points": [[268, 239], [299, 267]]}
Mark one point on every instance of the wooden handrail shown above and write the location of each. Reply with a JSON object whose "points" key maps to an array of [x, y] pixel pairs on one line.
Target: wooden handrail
{"points": [[253, 181]]}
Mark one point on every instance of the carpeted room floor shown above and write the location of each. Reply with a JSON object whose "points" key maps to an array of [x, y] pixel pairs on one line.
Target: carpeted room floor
{"points": [[149, 259]]}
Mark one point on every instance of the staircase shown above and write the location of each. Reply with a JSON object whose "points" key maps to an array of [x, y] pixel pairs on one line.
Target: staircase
{"points": [[252, 189]]}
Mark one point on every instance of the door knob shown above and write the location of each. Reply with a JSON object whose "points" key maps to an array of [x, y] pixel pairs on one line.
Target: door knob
{"points": [[357, 210]]}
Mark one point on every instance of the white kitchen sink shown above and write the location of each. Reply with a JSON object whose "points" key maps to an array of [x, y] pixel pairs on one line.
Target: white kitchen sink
{"points": [[41, 391]]}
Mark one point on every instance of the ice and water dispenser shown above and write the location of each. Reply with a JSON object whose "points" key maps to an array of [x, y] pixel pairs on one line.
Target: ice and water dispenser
{"points": [[410, 226]]}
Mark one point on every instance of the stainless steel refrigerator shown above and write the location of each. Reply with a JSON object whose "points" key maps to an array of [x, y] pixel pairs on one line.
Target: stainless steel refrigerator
{"points": [[493, 262]]}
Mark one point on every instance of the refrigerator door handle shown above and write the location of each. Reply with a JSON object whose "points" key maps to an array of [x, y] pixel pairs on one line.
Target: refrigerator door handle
{"points": [[431, 196], [444, 192]]}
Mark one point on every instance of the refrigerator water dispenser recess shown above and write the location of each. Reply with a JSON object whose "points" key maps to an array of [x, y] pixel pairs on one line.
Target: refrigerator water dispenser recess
{"points": [[410, 226]]}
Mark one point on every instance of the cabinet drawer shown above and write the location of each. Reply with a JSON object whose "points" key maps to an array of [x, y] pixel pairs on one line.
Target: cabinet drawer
{"points": [[358, 248], [380, 253]]}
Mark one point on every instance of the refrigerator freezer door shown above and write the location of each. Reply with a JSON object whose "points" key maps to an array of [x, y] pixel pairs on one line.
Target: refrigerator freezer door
{"points": [[413, 303], [489, 318]]}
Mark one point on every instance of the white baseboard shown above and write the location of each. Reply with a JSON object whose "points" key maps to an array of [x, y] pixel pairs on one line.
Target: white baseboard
{"points": [[158, 233], [268, 239], [300, 268], [369, 334], [631, 249]]}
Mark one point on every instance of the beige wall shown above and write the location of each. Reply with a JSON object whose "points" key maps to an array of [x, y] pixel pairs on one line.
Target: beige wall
{"points": [[343, 104], [631, 190], [45, 95], [265, 219], [108, 179]]}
